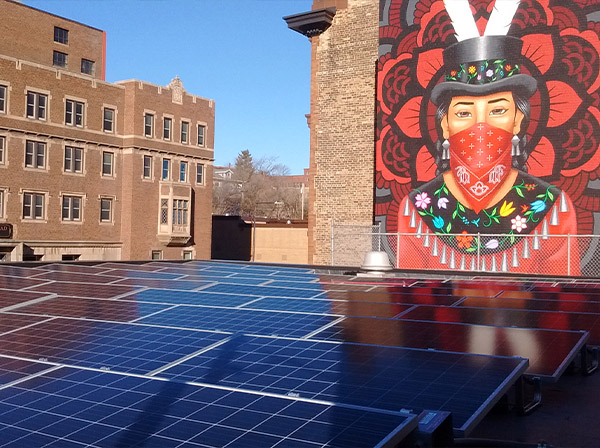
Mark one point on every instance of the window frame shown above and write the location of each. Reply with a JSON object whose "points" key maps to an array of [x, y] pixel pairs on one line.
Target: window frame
{"points": [[33, 206], [74, 117], [200, 170], [146, 170], [2, 199], [35, 154], [109, 201], [73, 204], [167, 130], [59, 59], [39, 112], [166, 169], [183, 171], [3, 98], [111, 121], [60, 40], [72, 158], [187, 132], [202, 143], [156, 252], [180, 214], [112, 164], [2, 150], [92, 64], [148, 126]]}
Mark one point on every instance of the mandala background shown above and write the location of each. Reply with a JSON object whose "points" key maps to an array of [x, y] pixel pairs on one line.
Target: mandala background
{"points": [[561, 49]]}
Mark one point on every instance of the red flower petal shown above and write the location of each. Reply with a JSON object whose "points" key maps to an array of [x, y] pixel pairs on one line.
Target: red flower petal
{"points": [[436, 8], [428, 65], [425, 165], [594, 41], [594, 161], [408, 117], [387, 66], [541, 159], [539, 49], [564, 101], [380, 165]]}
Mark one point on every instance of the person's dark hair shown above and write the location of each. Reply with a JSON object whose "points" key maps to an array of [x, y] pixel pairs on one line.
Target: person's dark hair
{"points": [[519, 162]]}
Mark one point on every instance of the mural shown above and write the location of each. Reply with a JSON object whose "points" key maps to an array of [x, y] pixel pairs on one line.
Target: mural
{"points": [[488, 123]]}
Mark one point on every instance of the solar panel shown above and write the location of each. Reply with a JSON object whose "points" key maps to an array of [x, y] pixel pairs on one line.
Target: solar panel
{"points": [[384, 297], [12, 370], [109, 345], [9, 298], [77, 277], [240, 321], [12, 322], [67, 407], [189, 297], [135, 273], [549, 352], [374, 377], [99, 309], [263, 291], [96, 291], [533, 304], [180, 284], [8, 282]]}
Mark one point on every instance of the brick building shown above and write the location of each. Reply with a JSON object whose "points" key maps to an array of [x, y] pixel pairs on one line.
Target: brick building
{"points": [[344, 40], [90, 169]]}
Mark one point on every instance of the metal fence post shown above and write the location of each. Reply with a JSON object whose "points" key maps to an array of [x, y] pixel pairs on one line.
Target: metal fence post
{"points": [[332, 241], [568, 254], [478, 251], [398, 251]]}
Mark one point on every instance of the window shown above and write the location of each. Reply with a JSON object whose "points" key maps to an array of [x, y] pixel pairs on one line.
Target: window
{"points": [[157, 254], [2, 204], [167, 122], [61, 35], [185, 130], [2, 98], [164, 211], [108, 123], [59, 59], [87, 66], [187, 254], [73, 159], [200, 174], [71, 208], [70, 257], [149, 125], [180, 211], [201, 131], [165, 169], [36, 105], [106, 210], [33, 206], [74, 113], [147, 167], [2, 145], [107, 163], [35, 154], [183, 166]]}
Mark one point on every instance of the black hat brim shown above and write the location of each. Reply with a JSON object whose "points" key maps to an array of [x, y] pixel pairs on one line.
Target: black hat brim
{"points": [[523, 84]]}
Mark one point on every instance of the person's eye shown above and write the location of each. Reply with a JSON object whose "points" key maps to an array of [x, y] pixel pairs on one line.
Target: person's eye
{"points": [[463, 114], [498, 111]]}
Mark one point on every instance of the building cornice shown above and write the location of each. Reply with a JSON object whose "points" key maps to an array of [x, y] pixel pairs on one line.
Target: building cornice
{"points": [[311, 23]]}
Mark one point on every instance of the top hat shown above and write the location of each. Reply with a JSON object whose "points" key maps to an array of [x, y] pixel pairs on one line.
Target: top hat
{"points": [[481, 66]]}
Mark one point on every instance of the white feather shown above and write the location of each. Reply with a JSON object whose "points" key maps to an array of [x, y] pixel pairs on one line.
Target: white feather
{"points": [[462, 19], [501, 17]]}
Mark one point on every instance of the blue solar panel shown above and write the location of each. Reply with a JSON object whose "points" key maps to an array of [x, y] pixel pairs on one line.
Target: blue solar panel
{"points": [[295, 284], [240, 321], [132, 273], [16, 369], [69, 407], [298, 305], [263, 291], [375, 377], [123, 347], [190, 297]]}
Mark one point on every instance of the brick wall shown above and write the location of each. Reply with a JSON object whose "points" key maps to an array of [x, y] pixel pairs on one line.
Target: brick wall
{"points": [[342, 123]]}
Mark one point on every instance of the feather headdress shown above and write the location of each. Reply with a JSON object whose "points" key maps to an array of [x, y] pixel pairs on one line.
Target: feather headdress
{"points": [[464, 22]]}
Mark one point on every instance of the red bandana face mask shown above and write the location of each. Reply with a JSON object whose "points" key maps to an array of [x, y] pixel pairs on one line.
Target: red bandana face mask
{"points": [[480, 159]]}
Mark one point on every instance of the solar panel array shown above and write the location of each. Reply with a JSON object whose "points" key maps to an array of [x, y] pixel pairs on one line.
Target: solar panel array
{"points": [[225, 354]]}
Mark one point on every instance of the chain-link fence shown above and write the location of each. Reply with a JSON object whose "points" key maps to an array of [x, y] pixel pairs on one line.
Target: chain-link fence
{"points": [[545, 254]]}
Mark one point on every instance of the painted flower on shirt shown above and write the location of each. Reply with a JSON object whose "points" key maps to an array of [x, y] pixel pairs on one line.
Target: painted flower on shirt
{"points": [[422, 200], [518, 223]]}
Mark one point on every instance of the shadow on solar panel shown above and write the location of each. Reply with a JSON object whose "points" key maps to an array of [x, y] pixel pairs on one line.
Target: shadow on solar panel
{"points": [[366, 376]]}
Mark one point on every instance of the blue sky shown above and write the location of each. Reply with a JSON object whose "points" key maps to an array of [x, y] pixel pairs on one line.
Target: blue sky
{"points": [[238, 52]]}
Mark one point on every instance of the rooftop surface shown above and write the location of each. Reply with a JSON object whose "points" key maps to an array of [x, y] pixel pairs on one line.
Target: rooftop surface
{"points": [[230, 354]]}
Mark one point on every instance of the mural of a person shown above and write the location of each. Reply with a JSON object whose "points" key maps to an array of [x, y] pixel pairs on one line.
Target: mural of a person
{"points": [[481, 184]]}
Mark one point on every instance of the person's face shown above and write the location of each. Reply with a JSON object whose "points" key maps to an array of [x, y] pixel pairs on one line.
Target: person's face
{"points": [[497, 109]]}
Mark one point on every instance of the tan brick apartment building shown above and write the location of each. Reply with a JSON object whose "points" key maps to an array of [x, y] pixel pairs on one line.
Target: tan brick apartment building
{"points": [[90, 169], [344, 44]]}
